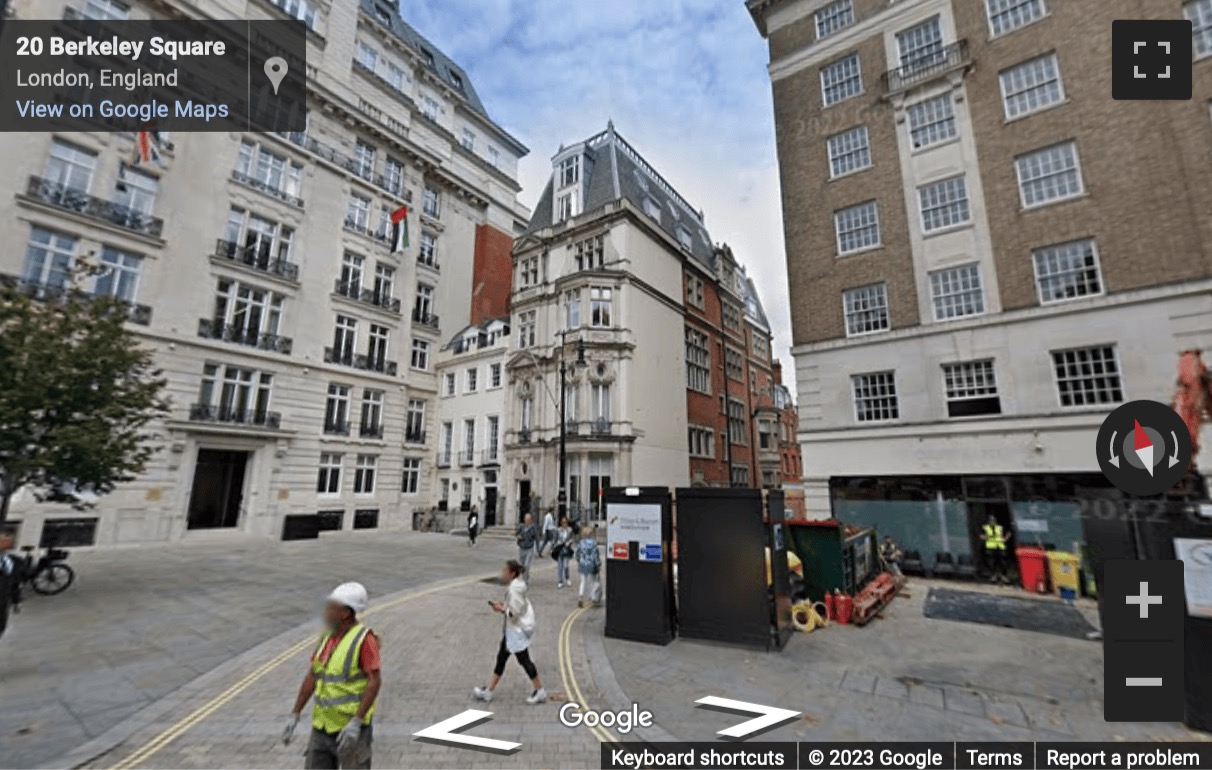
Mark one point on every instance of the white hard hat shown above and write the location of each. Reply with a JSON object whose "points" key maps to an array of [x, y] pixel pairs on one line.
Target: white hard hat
{"points": [[352, 595]]}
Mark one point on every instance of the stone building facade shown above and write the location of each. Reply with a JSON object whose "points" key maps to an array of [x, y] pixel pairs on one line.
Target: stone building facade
{"points": [[300, 350]]}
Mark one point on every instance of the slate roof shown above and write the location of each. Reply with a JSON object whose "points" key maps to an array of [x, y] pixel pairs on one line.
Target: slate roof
{"points": [[753, 304], [477, 334], [611, 170], [447, 71]]}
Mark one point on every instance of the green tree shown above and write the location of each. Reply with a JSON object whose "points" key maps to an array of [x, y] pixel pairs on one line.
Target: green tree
{"points": [[77, 392]]}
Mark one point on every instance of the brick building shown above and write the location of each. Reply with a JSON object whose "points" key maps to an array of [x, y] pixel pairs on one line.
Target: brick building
{"points": [[985, 253]]}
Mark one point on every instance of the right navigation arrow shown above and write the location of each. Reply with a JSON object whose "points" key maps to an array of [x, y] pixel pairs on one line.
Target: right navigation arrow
{"points": [[448, 733], [768, 717]]}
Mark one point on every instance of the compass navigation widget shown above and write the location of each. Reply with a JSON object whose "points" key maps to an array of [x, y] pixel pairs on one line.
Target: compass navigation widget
{"points": [[1144, 448]]}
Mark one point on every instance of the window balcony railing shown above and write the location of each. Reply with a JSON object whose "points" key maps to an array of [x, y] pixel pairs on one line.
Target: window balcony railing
{"points": [[430, 262], [371, 431], [524, 436], [422, 318], [215, 329], [45, 292], [371, 297], [354, 226], [412, 436], [927, 67], [232, 416], [393, 185], [360, 361], [572, 428], [467, 458], [268, 189], [601, 427], [77, 201], [336, 427], [257, 257], [443, 460]]}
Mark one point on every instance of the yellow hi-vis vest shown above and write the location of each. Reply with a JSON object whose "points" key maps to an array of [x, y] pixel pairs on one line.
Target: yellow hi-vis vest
{"points": [[994, 541], [340, 683]]}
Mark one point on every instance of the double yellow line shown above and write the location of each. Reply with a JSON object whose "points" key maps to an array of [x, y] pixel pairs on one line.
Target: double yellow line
{"points": [[170, 734], [568, 674]]}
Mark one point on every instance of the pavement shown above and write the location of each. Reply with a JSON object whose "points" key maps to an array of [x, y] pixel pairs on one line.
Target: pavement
{"points": [[189, 655]]}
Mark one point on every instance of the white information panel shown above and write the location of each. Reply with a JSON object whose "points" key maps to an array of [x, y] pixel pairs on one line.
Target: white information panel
{"points": [[638, 522], [1196, 556]]}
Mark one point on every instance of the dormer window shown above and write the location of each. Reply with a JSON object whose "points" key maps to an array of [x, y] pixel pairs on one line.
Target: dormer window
{"points": [[569, 171], [456, 81], [652, 209], [428, 56], [566, 205], [685, 238]]}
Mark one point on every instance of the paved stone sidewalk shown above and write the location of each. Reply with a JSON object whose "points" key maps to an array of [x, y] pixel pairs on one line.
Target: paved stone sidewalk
{"points": [[139, 623], [903, 677], [436, 647]]}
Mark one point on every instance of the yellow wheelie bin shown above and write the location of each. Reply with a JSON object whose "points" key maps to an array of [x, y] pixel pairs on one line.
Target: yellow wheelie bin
{"points": [[1064, 569]]}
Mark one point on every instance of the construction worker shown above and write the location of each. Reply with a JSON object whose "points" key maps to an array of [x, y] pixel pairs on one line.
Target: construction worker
{"points": [[344, 677], [996, 550]]}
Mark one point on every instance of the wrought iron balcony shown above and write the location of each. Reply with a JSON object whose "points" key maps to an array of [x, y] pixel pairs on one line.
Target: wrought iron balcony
{"points": [[412, 436], [45, 292], [927, 67], [268, 189], [336, 427], [572, 428], [360, 361], [601, 427], [372, 297], [430, 262], [232, 416], [524, 436], [421, 318], [393, 185], [353, 226], [215, 329], [371, 431], [257, 257], [77, 201]]}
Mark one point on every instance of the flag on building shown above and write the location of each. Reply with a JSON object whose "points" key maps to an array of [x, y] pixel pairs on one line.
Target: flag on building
{"points": [[399, 230], [147, 148]]}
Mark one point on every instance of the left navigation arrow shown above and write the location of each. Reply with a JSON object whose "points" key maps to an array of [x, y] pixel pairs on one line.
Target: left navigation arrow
{"points": [[448, 732]]}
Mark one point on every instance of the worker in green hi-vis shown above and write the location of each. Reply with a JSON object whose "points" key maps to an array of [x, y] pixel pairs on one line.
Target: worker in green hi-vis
{"points": [[997, 550]]}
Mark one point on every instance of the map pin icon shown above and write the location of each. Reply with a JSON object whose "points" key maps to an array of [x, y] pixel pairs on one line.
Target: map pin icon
{"points": [[275, 70]]}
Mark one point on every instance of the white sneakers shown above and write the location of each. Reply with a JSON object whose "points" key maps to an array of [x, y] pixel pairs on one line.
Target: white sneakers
{"points": [[534, 699]]}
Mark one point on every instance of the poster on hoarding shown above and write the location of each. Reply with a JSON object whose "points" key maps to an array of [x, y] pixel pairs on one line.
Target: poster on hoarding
{"points": [[1196, 556], [633, 522]]}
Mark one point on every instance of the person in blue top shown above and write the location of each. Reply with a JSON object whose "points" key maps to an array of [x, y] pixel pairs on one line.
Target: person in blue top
{"points": [[589, 565]]}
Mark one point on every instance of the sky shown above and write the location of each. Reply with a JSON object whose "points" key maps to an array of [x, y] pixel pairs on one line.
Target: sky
{"points": [[684, 81]]}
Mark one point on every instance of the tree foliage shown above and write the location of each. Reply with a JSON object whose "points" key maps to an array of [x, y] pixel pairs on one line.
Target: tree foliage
{"points": [[77, 394]]}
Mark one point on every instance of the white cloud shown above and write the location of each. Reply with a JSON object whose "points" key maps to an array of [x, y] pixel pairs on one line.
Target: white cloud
{"points": [[684, 81]]}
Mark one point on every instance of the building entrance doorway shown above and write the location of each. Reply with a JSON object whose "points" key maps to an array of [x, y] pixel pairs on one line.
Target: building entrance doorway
{"points": [[218, 489], [490, 499], [523, 498]]}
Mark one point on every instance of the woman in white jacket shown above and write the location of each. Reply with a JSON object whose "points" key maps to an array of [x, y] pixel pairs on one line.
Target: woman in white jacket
{"points": [[519, 632]]}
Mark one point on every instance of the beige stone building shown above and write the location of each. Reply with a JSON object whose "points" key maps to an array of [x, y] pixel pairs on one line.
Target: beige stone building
{"points": [[986, 253], [299, 349]]}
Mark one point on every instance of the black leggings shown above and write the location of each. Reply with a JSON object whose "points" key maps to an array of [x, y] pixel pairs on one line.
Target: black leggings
{"points": [[523, 658]]}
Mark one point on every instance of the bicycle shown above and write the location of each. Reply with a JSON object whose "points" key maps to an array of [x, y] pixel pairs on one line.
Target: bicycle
{"points": [[48, 575]]}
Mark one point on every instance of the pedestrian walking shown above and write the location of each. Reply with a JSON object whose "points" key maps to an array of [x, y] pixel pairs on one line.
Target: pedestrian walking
{"points": [[12, 569], [562, 551], [589, 565], [549, 531], [528, 539], [345, 679], [997, 560], [520, 624], [473, 525]]}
